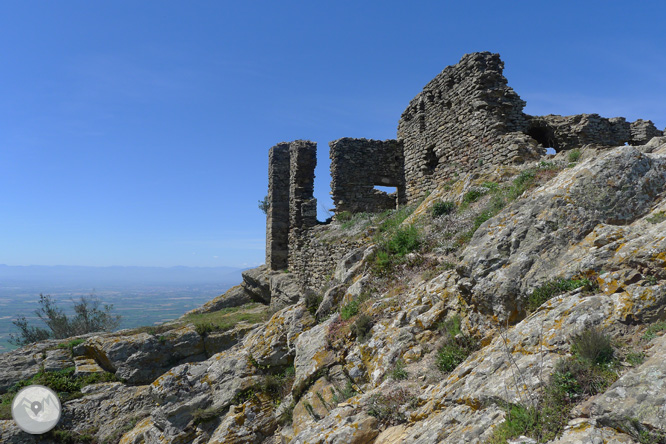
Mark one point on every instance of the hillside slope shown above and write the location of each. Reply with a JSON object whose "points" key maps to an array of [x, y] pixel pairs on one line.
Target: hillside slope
{"points": [[524, 300]]}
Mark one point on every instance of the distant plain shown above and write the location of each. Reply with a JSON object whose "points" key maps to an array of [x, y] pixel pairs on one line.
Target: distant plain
{"points": [[141, 295]]}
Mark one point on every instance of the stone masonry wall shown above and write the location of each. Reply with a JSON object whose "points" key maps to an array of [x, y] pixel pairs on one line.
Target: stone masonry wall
{"points": [[319, 250], [357, 165], [567, 132], [291, 205], [467, 117]]}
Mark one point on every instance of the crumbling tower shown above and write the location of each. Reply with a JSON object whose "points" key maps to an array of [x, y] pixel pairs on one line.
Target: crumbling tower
{"points": [[291, 205]]}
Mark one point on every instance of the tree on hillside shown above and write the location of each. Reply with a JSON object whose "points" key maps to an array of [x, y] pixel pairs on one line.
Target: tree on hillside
{"points": [[89, 317]]}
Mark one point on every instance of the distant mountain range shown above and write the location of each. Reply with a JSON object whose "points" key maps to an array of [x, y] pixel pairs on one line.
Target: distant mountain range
{"points": [[116, 276]]}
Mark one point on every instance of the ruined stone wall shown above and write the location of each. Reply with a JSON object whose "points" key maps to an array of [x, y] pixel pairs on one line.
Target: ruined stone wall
{"points": [[357, 165], [291, 206], [467, 117], [567, 132], [319, 250]]}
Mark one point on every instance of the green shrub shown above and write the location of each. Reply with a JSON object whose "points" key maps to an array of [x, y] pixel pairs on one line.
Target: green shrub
{"points": [[657, 218], [653, 329], [287, 415], [398, 371], [442, 208], [518, 421], [457, 346], [350, 309], [593, 345], [557, 287], [574, 155], [312, 302], [361, 327], [89, 317], [472, 196], [388, 409], [403, 241], [71, 344], [451, 326], [394, 218], [200, 416], [573, 380], [203, 328], [635, 358], [343, 216]]}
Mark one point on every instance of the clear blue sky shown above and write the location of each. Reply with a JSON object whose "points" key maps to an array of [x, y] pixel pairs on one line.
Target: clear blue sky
{"points": [[137, 132]]}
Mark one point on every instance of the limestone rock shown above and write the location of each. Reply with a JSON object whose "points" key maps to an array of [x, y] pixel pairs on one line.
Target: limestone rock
{"points": [[312, 355], [637, 397], [25, 362], [256, 283], [284, 290], [142, 357], [274, 344], [234, 297], [249, 423], [584, 430], [341, 426], [218, 341], [512, 253]]}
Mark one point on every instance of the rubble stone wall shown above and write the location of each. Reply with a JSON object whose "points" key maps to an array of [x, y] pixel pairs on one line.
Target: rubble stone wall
{"points": [[291, 205], [467, 117], [357, 166]]}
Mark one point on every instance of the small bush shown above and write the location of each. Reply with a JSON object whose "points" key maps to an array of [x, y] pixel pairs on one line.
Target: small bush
{"points": [[472, 196], [312, 302], [457, 346], [203, 328], [635, 358], [389, 409], [71, 344], [518, 421], [653, 329], [398, 371], [361, 327], [343, 216], [350, 309], [63, 382], [90, 316], [287, 415], [657, 218], [574, 155], [594, 346], [403, 241], [442, 208], [557, 287], [573, 380]]}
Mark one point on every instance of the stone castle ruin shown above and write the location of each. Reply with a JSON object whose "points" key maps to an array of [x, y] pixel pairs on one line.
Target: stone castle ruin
{"points": [[466, 118]]}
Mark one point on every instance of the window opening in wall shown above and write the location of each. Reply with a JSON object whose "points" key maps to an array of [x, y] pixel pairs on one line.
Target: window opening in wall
{"points": [[431, 160], [387, 196], [387, 190], [545, 136]]}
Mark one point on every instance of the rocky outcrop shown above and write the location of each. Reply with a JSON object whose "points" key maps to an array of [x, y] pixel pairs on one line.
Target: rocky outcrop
{"points": [[526, 244]]}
